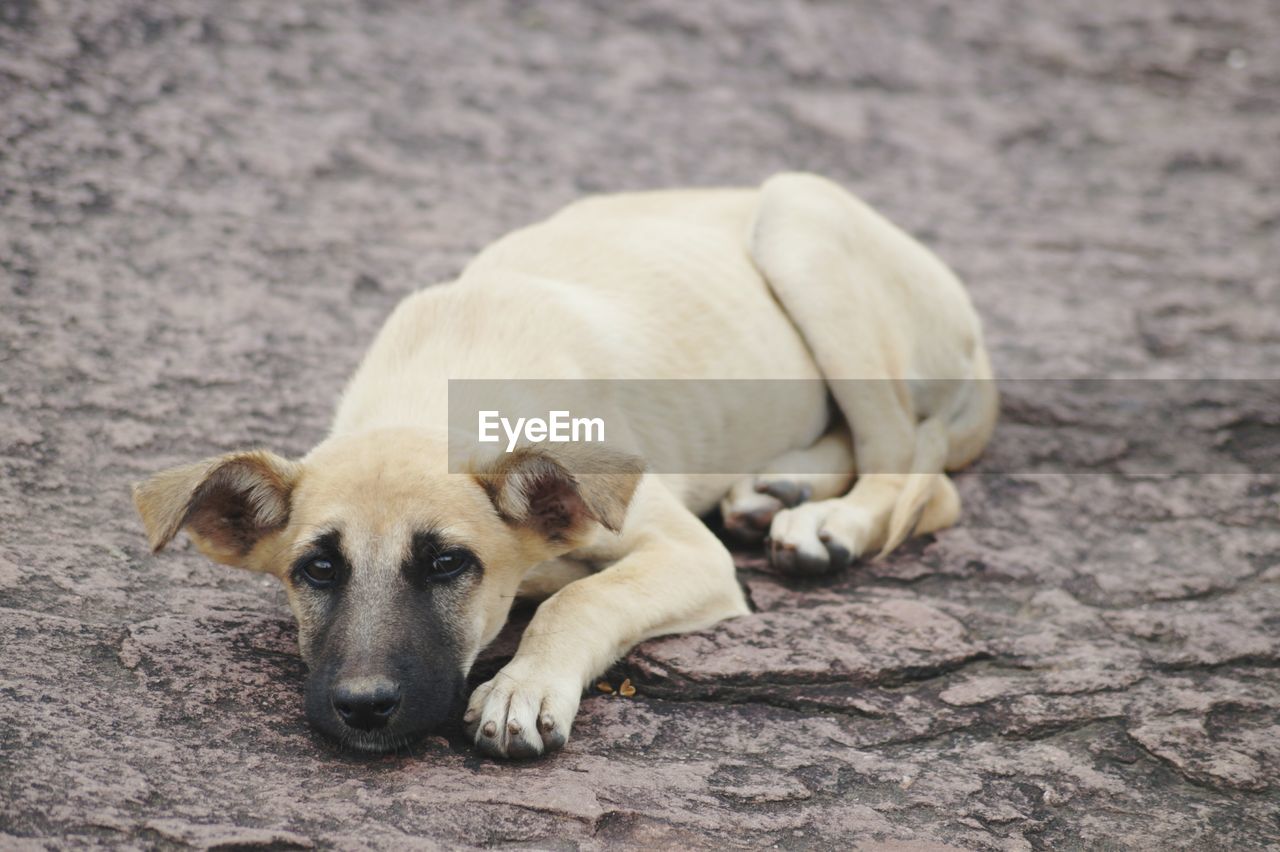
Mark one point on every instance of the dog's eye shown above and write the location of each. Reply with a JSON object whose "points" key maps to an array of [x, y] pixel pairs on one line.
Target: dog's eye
{"points": [[450, 563], [321, 573]]}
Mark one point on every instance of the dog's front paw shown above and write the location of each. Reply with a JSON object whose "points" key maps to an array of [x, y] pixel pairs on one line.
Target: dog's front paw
{"points": [[522, 712], [816, 538]]}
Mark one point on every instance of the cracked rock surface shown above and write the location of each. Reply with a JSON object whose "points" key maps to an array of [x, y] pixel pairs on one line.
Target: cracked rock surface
{"points": [[206, 211]]}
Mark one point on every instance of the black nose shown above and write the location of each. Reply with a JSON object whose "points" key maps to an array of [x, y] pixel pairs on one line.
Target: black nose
{"points": [[366, 703]]}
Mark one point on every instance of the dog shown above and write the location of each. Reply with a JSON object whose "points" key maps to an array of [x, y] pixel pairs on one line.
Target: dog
{"points": [[401, 564]]}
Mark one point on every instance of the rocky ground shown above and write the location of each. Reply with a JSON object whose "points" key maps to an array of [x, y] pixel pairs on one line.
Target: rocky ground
{"points": [[206, 210]]}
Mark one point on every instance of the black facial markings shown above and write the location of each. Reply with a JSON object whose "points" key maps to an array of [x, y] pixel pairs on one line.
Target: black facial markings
{"points": [[323, 565], [432, 561], [408, 635]]}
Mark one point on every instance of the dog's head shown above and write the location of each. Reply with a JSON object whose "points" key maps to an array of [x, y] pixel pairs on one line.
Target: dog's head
{"points": [[398, 571]]}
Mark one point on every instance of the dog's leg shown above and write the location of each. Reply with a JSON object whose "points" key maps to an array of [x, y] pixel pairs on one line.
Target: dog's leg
{"points": [[668, 574], [876, 309], [547, 578], [828, 535], [819, 472]]}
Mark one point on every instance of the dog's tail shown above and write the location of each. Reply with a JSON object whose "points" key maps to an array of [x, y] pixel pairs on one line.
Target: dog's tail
{"points": [[922, 482]]}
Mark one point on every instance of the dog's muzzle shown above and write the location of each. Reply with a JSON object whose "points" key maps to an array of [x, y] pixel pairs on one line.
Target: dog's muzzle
{"points": [[382, 710]]}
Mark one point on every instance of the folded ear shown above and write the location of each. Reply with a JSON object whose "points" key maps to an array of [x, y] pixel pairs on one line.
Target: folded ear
{"points": [[559, 491], [226, 504]]}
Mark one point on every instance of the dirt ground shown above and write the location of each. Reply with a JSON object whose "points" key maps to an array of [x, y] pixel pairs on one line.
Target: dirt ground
{"points": [[207, 209]]}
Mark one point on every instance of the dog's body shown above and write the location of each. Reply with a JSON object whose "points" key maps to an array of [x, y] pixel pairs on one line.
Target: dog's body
{"points": [[400, 572]]}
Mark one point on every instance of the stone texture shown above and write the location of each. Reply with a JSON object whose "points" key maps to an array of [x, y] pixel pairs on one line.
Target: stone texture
{"points": [[208, 209]]}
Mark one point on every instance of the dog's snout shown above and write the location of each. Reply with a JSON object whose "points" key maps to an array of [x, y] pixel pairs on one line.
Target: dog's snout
{"points": [[366, 703]]}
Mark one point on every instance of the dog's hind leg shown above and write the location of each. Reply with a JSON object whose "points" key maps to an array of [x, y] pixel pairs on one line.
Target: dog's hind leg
{"points": [[894, 334], [818, 472]]}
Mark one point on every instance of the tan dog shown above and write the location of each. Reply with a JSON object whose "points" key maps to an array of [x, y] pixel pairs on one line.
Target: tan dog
{"points": [[400, 571]]}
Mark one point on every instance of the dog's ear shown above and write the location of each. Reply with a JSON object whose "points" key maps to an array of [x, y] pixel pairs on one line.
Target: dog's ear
{"points": [[226, 504], [559, 491]]}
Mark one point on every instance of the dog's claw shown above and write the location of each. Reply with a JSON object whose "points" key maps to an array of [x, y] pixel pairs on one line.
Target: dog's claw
{"points": [[784, 557], [553, 740], [489, 729]]}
